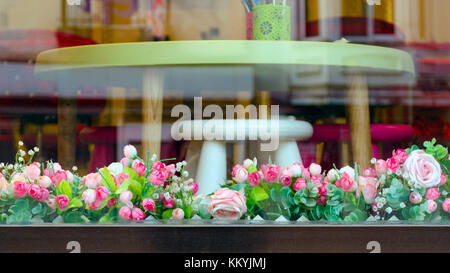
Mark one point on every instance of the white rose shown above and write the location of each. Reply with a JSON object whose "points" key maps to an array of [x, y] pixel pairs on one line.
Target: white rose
{"points": [[349, 170], [115, 168], [332, 175], [422, 169]]}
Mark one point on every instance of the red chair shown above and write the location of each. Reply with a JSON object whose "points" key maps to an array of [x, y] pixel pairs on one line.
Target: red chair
{"points": [[390, 136]]}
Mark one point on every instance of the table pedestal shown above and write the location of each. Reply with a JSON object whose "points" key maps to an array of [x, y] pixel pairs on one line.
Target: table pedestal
{"points": [[67, 124], [359, 119], [152, 110]]}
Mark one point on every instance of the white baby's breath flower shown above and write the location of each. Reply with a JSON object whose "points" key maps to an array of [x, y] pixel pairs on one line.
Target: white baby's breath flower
{"points": [[154, 156], [31, 152], [21, 159], [389, 210], [389, 172], [20, 143], [2, 165], [398, 172], [167, 195], [444, 193], [22, 153], [373, 160], [36, 149], [10, 166], [375, 209], [185, 174], [74, 168], [184, 163], [155, 196], [402, 205]]}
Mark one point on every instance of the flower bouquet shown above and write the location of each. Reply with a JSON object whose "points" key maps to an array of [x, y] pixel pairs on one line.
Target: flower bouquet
{"points": [[130, 190], [412, 185]]}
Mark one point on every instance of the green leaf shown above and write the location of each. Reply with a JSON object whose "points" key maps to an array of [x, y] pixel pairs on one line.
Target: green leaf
{"points": [[123, 187], [105, 219], [356, 216], [108, 180], [136, 188], [65, 188], [75, 203], [20, 212], [73, 217], [285, 197], [37, 209], [167, 214], [274, 195], [258, 194]]}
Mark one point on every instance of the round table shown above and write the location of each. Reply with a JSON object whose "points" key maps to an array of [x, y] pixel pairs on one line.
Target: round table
{"points": [[81, 65]]}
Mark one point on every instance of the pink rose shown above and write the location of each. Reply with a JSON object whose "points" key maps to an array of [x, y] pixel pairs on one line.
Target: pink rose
{"points": [[392, 164], [20, 189], [148, 204], [34, 191], [171, 169], [125, 213], [401, 156], [299, 184], [323, 190], [130, 152], [178, 214], [139, 167], [285, 180], [432, 206], [126, 197], [92, 181], [415, 198], [101, 193], [167, 202], [369, 172], [286, 171], [369, 188], [432, 194], [121, 178], [88, 196], [43, 195], [194, 187], [315, 169], [138, 215], [345, 182], [443, 180], [423, 169], [44, 181], [316, 179], [111, 203], [227, 204], [270, 173], [235, 168], [69, 176], [50, 172], [62, 201], [305, 172], [60, 176], [96, 205], [126, 162], [241, 175], [158, 166], [446, 205], [158, 178], [254, 178], [381, 167], [32, 172]]}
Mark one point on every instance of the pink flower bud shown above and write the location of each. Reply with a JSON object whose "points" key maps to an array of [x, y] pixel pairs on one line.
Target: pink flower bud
{"points": [[138, 215], [130, 152], [178, 214], [125, 213], [432, 194], [148, 204], [285, 181], [254, 178], [381, 167], [62, 201], [111, 203], [44, 181], [446, 205], [415, 198], [88, 196], [432, 206], [299, 184], [101, 193], [139, 167], [126, 197], [20, 189]]}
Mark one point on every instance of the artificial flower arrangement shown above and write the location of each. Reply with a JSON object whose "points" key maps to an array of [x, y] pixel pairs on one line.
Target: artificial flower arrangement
{"points": [[129, 190], [412, 185]]}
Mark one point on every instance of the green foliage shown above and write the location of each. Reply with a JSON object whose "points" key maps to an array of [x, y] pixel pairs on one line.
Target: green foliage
{"points": [[397, 194], [258, 194], [438, 151], [20, 212]]}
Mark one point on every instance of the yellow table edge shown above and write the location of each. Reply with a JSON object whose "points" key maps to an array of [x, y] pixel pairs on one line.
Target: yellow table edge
{"points": [[227, 52]]}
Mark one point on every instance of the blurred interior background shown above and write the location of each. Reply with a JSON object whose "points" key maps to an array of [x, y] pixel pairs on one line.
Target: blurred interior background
{"points": [[111, 116]]}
